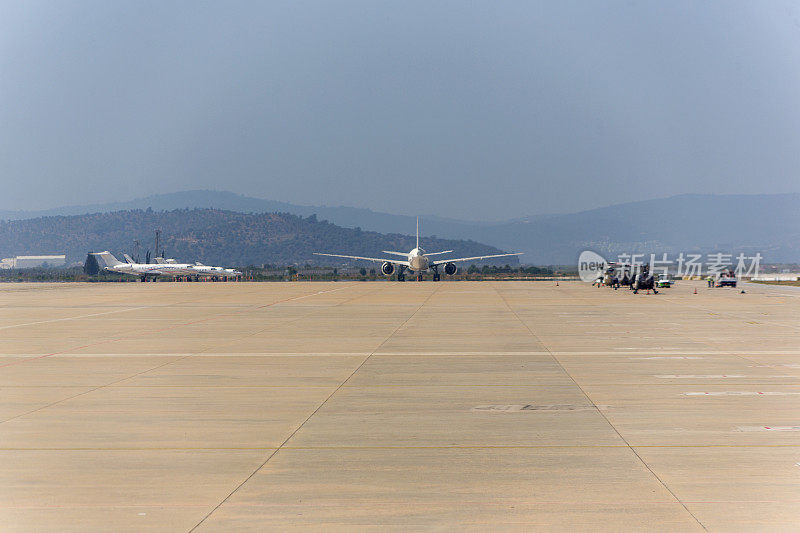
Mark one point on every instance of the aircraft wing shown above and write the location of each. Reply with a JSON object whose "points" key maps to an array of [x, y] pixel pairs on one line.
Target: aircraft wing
{"points": [[477, 258], [376, 259]]}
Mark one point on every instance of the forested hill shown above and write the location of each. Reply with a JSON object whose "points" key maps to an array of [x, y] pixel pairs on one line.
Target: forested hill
{"points": [[212, 236]]}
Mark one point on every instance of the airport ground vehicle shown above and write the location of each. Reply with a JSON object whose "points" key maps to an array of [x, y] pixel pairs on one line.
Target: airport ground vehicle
{"points": [[726, 279], [664, 281]]}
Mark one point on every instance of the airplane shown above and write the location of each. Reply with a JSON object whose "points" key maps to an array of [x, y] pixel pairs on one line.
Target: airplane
{"points": [[215, 273], [199, 270], [417, 260], [162, 267], [106, 261]]}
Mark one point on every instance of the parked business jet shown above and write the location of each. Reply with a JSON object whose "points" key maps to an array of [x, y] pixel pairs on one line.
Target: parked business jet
{"points": [[417, 260], [214, 273], [106, 261], [162, 267]]}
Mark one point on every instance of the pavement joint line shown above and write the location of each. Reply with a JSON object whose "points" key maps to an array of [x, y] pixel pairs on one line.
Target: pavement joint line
{"points": [[598, 410], [406, 354], [126, 378], [403, 385], [74, 317], [391, 447], [168, 328], [90, 390], [394, 503], [320, 406]]}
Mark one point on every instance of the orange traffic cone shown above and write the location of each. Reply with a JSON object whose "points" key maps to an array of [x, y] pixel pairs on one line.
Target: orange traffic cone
{"points": [[556, 283], [695, 290]]}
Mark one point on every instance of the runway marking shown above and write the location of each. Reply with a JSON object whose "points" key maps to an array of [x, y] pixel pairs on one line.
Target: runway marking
{"points": [[408, 384], [203, 354], [741, 393], [724, 376], [701, 354], [389, 447], [523, 523], [661, 357], [702, 376], [768, 428], [518, 408]]}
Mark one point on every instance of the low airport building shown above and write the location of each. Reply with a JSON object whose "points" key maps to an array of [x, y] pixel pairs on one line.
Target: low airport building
{"points": [[784, 276], [33, 261]]}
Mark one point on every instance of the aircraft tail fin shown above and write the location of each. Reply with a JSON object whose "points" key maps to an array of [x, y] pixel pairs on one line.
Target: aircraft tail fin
{"points": [[106, 259], [128, 259], [417, 231]]}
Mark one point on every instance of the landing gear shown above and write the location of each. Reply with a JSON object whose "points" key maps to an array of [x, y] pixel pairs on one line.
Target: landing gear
{"points": [[436, 276], [400, 275], [420, 277], [144, 278]]}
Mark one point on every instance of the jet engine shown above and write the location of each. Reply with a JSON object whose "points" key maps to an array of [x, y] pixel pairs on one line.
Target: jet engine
{"points": [[387, 269], [450, 269]]}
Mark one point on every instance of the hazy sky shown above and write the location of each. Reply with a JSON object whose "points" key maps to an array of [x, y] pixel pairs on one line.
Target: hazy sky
{"points": [[468, 109]]}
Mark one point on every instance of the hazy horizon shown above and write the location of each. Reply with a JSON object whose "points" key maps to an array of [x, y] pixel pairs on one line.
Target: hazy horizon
{"points": [[477, 112], [399, 213]]}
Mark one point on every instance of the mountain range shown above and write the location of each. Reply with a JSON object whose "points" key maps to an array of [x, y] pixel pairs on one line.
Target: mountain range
{"points": [[212, 236], [769, 224]]}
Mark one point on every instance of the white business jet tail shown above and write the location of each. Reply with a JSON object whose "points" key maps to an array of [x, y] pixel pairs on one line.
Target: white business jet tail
{"points": [[106, 259]]}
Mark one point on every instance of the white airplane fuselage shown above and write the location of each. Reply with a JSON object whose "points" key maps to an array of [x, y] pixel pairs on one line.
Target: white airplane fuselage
{"points": [[152, 269], [212, 271], [417, 261]]}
